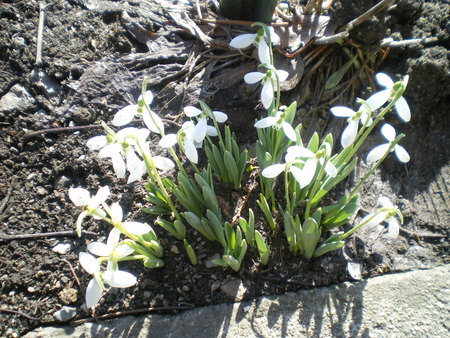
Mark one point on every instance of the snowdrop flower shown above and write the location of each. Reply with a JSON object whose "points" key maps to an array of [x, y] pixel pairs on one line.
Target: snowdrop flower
{"points": [[259, 40], [125, 150], [277, 122], [269, 82], [350, 132], [394, 225], [126, 114], [389, 134], [82, 198], [380, 98], [115, 278], [201, 128], [304, 175], [185, 139]]}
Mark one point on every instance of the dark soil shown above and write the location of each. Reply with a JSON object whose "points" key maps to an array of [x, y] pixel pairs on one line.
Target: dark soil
{"points": [[94, 60]]}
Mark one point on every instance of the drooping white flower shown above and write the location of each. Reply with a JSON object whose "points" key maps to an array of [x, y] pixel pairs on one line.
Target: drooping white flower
{"points": [[394, 225], [269, 82], [185, 140], [378, 152], [304, 176], [380, 98], [82, 198], [127, 113], [111, 248], [259, 40], [201, 129], [277, 122], [350, 132]]}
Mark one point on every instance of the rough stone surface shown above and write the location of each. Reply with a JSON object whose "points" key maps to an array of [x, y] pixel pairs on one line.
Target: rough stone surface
{"points": [[411, 304]]}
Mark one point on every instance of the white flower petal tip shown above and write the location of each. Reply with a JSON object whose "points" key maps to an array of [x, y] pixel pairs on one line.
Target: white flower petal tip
{"points": [[220, 116], [385, 202], [125, 115], [273, 170], [137, 228], [163, 163], [191, 111], [253, 77], [88, 262], [79, 196], [168, 141], [282, 75], [341, 111], [402, 109], [243, 41], [388, 132], [384, 80], [119, 279], [401, 154], [97, 142], [93, 294]]}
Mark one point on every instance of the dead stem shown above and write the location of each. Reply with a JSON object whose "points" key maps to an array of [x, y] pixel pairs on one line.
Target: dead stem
{"points": [[5, 237]]}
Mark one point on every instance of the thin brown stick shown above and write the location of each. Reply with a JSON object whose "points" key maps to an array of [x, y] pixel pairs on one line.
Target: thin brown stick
{"points": [[6, 199], [132, 312], [70, 233], [3, 309], [75, 277]]}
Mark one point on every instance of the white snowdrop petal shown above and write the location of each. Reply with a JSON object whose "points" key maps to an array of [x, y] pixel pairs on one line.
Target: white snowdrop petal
{"points": [[394, 227], [118, 165], [330, 169], [88, 263], [117, 211], [385, 202], [349, 134], [148, 97], [273, 170], [101, 196], [137, 228], [99, 249], [200, 130], [113, 239], [163, 163], [97, 142], [402, 108], [211, 131], [376, 153], [401, 154], [388, 132], [384, 80], [191, 111], [378, 99], [299, 151], [119, 279], [98, 213], [124, 115], [190, 151], [242, 41], [341, 111], [308, 172], [220, 116], [297, 173], [266, 122], [282, 75], [153, 122], [123, 250], [79, 196], [377, 219], [253, 77], [289, 131], [93, 294], [363, 119], [168, 141], [263, 52], [135, 167], [267, 94]]}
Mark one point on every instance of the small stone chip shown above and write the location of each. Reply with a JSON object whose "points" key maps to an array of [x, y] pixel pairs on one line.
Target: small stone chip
{"points": [[65, 314]]}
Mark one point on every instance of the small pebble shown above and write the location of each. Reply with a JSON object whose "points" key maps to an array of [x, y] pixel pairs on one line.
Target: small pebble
{"points": [[65, 314], [31, 289], [62, 248], [215, 285], [174, 249]]}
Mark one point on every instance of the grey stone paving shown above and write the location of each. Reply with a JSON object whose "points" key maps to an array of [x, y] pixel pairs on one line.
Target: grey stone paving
{"points": [[410, 304]]}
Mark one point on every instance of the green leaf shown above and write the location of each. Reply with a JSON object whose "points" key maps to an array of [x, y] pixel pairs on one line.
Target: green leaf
{"points": [[220, 262], [213, 163], [326, 247], [216, 227], [219, 160], [195, 222], [170, 227], [232, 262], [335, 78], [233, 171], [191, 253], [310, 236], [153, 263], [291, 236], [262, 202], [313, 143]]}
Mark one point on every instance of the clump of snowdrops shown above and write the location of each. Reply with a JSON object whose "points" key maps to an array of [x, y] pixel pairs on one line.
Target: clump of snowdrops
{"points": [[308, 171]]}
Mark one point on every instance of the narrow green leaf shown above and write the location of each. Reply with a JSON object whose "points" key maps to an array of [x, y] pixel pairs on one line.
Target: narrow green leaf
{"points": [[335, 78], [326, 247], [310, 236], [191, 253]]}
